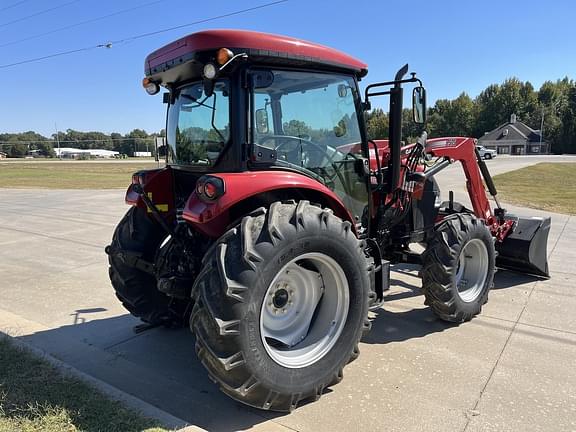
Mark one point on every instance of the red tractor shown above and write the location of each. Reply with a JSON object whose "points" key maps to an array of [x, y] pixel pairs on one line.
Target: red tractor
{"points": [[272, 228]]}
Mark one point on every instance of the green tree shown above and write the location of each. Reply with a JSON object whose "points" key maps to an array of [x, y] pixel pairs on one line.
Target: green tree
{"points": [[497, 103], [296, 128], [377, 124], [567, 136], [452, 117], [139, 140], [17, 150]]}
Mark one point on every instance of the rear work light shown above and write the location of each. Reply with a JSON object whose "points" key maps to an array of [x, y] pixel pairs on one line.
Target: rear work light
{"points": [[150, 86], [210, 188]]}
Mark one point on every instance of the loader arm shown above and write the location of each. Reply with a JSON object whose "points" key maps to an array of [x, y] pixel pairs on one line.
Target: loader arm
{"points": [[462, 149]]}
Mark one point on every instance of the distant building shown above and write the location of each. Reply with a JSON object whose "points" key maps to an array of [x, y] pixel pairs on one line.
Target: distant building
{"points": [[74, 153], [515, 138]]}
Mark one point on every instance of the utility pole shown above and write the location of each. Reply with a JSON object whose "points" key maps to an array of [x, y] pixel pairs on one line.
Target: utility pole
{"points": [[542, 130], [58, 141]]}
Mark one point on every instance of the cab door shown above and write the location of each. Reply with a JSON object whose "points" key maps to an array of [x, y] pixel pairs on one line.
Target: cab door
{"points": [[310, 120]]}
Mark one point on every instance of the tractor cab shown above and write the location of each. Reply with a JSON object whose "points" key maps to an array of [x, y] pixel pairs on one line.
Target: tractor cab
{"points": [[245, 101], [240, 101]]}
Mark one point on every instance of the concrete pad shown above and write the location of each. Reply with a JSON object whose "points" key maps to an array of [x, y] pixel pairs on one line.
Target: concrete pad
{"points": [[534, 386], [509, 295], [70, 296], [414, 373], [552, 304], [45, 256]]}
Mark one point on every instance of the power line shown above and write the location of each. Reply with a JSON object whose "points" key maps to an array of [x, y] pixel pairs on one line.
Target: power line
{"points": [[51, 56], [199, 22], [143, 35], [42, 12], [13, 5], [80, 23]]}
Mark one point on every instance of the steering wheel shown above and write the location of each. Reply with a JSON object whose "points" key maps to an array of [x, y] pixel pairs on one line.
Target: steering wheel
{"points": [[283, 141]]}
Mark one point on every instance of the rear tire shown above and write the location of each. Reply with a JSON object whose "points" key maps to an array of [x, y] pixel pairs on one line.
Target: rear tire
{"points": [[458, 268], [136, 289], [243, 285]]}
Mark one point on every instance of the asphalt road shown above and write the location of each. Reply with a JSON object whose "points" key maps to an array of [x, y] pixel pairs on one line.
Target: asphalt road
{"points": [[510, 369]]}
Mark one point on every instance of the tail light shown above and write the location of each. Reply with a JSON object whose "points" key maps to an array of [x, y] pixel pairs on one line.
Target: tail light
{"points": [[139, 178], [210, 188]]}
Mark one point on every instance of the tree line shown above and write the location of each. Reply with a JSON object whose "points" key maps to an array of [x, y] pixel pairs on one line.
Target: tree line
{"points": [[21, 144], [553, 106]]}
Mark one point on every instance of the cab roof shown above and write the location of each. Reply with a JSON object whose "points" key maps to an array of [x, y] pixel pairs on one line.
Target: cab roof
{"points": [[260, 47]]}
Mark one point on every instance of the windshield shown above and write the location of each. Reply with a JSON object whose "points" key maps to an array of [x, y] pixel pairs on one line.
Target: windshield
{"points": [[198, 125]]}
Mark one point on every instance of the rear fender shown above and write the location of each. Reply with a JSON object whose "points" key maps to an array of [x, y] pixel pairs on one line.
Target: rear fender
{"points": [[157, 184], [248, 190]]}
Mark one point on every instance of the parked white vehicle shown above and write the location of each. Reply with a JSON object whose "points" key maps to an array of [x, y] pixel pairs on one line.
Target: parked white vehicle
{"points": [[486, 153]]}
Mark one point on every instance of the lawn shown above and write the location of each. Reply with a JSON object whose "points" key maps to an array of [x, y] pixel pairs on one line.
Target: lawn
{"points": [[35, 397], [69, 174], [546, 186]]}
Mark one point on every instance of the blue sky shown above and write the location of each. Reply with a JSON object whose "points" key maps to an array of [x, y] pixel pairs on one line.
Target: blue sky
{"points": [[454, 46]]}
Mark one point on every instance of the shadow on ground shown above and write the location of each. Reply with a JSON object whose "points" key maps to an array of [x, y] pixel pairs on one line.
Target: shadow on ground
{"points": [[393, 325], [160, 365]]}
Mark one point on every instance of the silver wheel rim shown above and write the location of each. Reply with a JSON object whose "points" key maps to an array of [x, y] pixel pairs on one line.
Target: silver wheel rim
{"points": [[304, 310], [472, 270]]}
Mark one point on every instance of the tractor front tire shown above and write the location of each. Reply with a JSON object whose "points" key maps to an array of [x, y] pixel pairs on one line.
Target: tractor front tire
{"points": [[281, 305], [458, 268], [137, 235]]}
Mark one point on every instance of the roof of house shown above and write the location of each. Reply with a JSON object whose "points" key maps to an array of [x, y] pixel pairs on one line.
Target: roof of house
{"points": [[512, 131]]}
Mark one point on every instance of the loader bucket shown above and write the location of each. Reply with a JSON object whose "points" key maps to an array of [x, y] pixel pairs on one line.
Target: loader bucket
{"points": [[524, 250]]}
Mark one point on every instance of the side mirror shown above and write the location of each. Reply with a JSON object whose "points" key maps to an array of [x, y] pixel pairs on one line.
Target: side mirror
{"points": [[419, 105], [262, 121]]}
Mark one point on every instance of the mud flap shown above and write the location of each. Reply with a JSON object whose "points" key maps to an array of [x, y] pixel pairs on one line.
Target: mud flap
{"points": [[525, 250]]}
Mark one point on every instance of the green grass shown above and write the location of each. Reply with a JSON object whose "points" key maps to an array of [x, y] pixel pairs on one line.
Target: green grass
{"points": [[545, 186], [36, 397], [69, 174]]}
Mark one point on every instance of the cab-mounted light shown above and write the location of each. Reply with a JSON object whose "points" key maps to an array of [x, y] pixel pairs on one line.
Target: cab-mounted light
{"points": [[223, 56], [150, 86], [210, 71]]}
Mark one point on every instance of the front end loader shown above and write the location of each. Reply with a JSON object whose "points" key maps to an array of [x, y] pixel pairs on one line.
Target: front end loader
{"points": [[272, 227]]}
